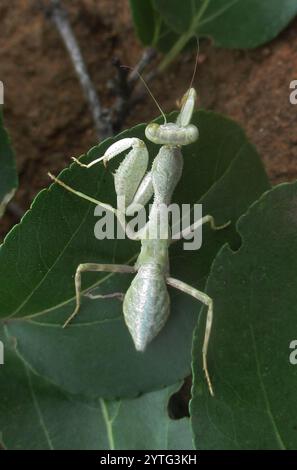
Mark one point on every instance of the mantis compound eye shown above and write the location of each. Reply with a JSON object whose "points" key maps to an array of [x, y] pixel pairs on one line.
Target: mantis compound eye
{"points": [[152, 132]]}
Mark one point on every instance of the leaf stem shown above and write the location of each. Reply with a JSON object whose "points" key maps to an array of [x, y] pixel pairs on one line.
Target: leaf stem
{"points": [[108, 424], [184, 38]]}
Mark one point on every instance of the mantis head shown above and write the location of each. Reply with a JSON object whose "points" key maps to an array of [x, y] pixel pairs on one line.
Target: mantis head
{"points": [[179, 133]]}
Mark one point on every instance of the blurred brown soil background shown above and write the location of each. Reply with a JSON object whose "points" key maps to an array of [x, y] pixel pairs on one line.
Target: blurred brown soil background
{"points": [[47, 115]]}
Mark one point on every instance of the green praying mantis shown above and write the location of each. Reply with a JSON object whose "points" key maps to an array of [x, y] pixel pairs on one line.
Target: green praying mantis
{"points": [[146, 304]]}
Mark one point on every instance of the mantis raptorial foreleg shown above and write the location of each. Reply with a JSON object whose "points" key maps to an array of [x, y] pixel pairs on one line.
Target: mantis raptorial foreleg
{"points": [[143, 194], [112, 151], [132, 186], [206, 300], [91, 267]]}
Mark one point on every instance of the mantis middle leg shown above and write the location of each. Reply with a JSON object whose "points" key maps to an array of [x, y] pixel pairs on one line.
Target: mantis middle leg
{"points": [[83, 195], [91, 267], [206, 300], [191, 228]]}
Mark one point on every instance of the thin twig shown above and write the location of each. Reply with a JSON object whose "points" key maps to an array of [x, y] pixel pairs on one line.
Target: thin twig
{"points": [[101, 118], [146, 58], [124, 87]]}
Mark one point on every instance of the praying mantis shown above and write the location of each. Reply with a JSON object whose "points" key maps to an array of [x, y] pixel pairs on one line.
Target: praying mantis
{"points": [[146, 304]]}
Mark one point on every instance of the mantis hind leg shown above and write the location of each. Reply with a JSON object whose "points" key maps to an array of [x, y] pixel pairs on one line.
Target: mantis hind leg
{"points": [[91, 267], [206, 300]]}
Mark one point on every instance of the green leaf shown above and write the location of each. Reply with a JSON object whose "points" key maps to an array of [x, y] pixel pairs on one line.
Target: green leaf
{"points": [[34, 414], [143, 15], [230, 23], [143, 423], [95, 355], [149, 26], [246, 23], [255, 297], [8, 175]]}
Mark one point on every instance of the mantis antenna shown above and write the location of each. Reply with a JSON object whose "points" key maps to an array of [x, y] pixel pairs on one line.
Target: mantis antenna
{"points": [[196, 62], [194, 72], [148, 89]]}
